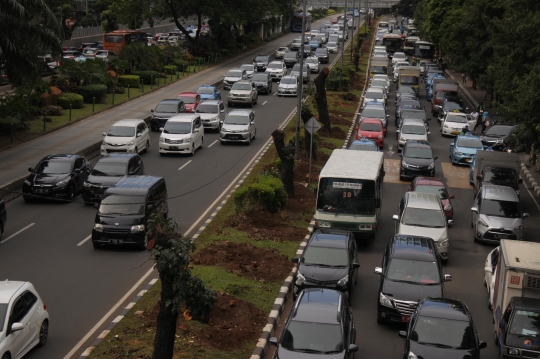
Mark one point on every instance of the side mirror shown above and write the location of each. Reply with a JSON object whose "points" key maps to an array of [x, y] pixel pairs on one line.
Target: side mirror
{"points": [[482, 344], [356, 265], [447, 278], [520, 180], [450, 222], [402, 334], [16, 327], [474, 209], [395, 217], [104, 133], [452, 144], [273, 341], [139, 134], [398, 131], [378, 270], [150, 206], [387, 116], [525, 215], [451, 196], [30, 169], [436, 157], [295, 260], [488, 269], [429, 133], [252, 122], [152, 111], [353, 348]]}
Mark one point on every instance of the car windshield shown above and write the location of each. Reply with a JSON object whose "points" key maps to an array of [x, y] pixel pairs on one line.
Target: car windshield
{"points": [[275, 66], [447, 333], [121, 131], [378, 83], [241, 86], [413, 271], [363, 146], [207, 108], [500, 175], [333, 257], [177, 128], [370, 126], [234, 73], [283, 49], [109, 169], [236, 120], [452, 106], [413, 130], [399, 56], [288, 81], [187, 99], [456, 118], [260, 77], [167, 108], [122, 205], [320, 51], [418, 152], [313, 60], [373, 112], [498, 131], [331, 44], [247, 67], [506, 209], [374, 94], [296, 68], [291, 55], [261, 59], [206, 90], [469, 142], [439, 191], [421, 115], [524, 323], [420, 217], [54, 167], [312, 337]]}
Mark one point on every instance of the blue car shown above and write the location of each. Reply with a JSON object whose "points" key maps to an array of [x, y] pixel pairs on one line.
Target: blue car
{"points": [[209, 92], [364, 145], [463, 149]]}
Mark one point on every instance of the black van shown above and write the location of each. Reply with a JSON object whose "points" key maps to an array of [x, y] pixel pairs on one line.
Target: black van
{"points": [[126, 209]]}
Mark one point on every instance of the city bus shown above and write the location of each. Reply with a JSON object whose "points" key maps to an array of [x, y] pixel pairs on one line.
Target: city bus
{"points": [[408, 46], [393, 43], [423, 50], [349, 192], [296, 22], [115, 40]]}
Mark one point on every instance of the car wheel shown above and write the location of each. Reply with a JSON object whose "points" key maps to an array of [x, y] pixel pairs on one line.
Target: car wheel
{"points": [[202, 142], [70, 192], [136, 150], [380, 320], [144, 244], [6, 356], [249, 140], [43, 333], [444, 261], [192, 153], [221, 142], [256, 99], [96, 245], [147, 146]]}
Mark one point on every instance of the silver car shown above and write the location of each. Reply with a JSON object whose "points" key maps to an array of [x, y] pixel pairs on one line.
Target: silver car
{"points": [[276, 69], [313, 64], [288, 86], [232, 76], [496, 215], [243, 92], [295, 71], [250, 69], [280, 52], [212, 114], [332, 47], [238, 126]]}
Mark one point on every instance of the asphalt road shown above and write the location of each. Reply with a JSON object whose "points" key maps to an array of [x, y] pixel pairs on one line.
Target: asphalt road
{"points": [[45, 242], [466, 258]]}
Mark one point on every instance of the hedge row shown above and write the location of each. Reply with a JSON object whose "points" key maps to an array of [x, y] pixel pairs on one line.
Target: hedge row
{"points": [[93, 92], [148, 77], [68, 98], [132, 81]]}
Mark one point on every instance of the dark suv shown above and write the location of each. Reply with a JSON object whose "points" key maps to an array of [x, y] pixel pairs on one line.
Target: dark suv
{"points": [[441, 328], [321, 323], [410, 271], [290, 58], [261, 62], [165, 110], [329, 260], [417, 160]]}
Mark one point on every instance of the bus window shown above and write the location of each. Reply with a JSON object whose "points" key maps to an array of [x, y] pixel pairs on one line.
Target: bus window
{"points": [[114, 38], [341, 195]]}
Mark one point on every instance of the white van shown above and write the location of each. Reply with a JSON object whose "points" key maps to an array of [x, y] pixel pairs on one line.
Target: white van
{"points": [[183, 133]]}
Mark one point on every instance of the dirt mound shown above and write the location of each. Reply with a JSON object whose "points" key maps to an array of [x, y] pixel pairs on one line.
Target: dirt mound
{"points": [[338, 133]]}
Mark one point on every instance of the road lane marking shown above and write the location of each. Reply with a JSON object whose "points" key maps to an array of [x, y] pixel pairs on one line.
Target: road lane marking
{"points": [[456, 176], [185, 164], [275, 93], [213, 143], [84, 240], [16, 233], [391, 171], [264, 103]]}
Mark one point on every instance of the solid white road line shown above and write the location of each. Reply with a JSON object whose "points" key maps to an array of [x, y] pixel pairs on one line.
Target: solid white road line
{"points": [[534, 199], [14, 234], [185, 164], [264, 103], [213, 143], [84, 240]]}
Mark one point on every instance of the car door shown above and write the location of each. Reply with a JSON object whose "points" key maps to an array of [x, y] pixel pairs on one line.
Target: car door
{"points": [[252, 128], [453, 146], [21, 339], [139, 137], [253, 91], [477, 203], [78, 173], [200, 131], [221, 112]]}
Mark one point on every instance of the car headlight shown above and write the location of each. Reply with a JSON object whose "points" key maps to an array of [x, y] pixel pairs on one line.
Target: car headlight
{"points": [[324, 224], [431, 166], [300, 279], [187, 140], [446, 126], [137, 228], [130, 143], [405, 164], [384, 300], [162, 139], [448, 207], [519, 228], [380, 136], [98, 227], [87, 184], [443, 243], [62, 183], [411, 355], [343, 281], [27, 182], [104, 143], [458, 153], [482, 223]]}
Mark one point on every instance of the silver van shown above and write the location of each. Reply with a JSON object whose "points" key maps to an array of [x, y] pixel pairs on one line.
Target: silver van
{"points": [[411, 129]]}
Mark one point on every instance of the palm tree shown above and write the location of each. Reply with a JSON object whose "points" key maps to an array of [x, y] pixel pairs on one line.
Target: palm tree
{"points": [[27, 28]]}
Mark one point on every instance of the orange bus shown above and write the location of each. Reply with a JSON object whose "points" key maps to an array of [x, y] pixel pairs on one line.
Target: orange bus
{"points": [[115, 40]]}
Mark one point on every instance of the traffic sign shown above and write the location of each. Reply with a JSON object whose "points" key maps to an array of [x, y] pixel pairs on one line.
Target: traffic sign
{"points": [[312, 125]]}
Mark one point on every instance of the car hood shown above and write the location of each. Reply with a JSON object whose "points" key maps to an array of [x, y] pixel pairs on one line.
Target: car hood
{"points": [[411, 292], [492, 139], [296, 73], [287, 86], [274, 70], [260, 83], [418, 161], [113, 219], [231, 78], [289, 354], [467, 150], [501, 222], [175, 136], [234, 128], [370, 134], [239, 92], [104, 180], [290, 59], [47, 179], [261, 64], [427, 351], [437, 234], [113, 140], [408, 136], [324, 274], [164, 114], [190, 106], [208, 116]]}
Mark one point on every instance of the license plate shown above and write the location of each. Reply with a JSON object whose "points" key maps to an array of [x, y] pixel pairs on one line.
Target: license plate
{"points": [[405, 319], [500, 236], [116, 241], [235, 137], [468, 160], [455, 132], [173, 147], [42, 191]]}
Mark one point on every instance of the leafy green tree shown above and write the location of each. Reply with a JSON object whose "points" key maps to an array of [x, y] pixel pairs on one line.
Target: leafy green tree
{"points": [[109, 21], [406, 7], [27, 28], [132, 13], [142, 57], [86, 73]]}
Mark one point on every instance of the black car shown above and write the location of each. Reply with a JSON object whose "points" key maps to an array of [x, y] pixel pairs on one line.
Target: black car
{"points": [[107, 171], [495, 137], [417, 160], [290, 58], [406, 104], [307, 51], [329, 260], [411, 270], [3, 217], [441, 328], [56, 176], [450, 106], [165, 110], [320, 324], [261, 62], [263, 81], [323, 55]]}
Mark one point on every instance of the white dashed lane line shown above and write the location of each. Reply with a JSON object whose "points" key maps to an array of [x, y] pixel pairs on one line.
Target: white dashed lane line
{"points": [[84, 241], [213, 143], [185, 164], [16, 233]]}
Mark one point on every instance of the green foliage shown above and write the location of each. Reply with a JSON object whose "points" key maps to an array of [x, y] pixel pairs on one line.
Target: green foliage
{"points": [[266, 191], [23, 105], [143, 58], [333, 80], [51, 110], [119, 66], [94, 91], [109, 21], [170, 69], [74, 99], [147, 76], [132, 81], [181, 64], [86, 73]]}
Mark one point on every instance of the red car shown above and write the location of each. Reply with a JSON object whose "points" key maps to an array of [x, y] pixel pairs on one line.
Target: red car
{"points": [[191, 100], [333, 21], [371, 129], [435, 186]]}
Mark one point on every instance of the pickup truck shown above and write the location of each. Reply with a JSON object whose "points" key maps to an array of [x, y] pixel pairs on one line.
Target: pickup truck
{"points": [[498, 168]]}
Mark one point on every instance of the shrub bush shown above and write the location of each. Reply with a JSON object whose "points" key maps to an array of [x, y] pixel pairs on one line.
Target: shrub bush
{"points": [[132, 81], [266, 191], [89, 92], [332, 82], [51, 111], [147, 76], [181, 64], [170, 69], [74, 99]]}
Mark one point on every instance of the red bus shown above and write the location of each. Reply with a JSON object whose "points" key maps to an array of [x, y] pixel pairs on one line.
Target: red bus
{"points": [[115, 40]]}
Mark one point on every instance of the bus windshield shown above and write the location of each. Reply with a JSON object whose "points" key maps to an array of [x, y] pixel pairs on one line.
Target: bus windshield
{"points": [[392, 44], [345, 195], [424, 50]]}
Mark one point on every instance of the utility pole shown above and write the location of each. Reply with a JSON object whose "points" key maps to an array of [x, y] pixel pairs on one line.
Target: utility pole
{"points": [[301, 87], [343, 45], [352, 40]]}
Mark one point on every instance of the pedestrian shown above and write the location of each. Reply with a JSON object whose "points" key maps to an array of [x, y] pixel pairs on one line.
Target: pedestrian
{"points": [[477, 123], [485, 121], [494, 119], [464, 131], [464, 78]]}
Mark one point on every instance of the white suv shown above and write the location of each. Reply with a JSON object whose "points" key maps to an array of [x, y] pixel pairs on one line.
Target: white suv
{"points": [[183, 133], [422, 214], [126, 136], [24, 320], [238, 126], [276, 70]]}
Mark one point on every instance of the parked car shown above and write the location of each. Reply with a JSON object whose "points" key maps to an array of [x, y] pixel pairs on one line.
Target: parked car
{"points": [[183, 133], [127, 136], [238, 126], [243, 92], [56, 176], [435, 186], [191, 100], [212, 114], [164, 110]]}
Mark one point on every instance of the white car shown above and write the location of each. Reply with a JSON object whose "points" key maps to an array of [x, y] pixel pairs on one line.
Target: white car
{"points": [[489, 273], [399, 56], [183, 133], [380, 53], [128, 136], [250, 69], [453, 122], [288, 86], [379, 83], [238, 126], [332, 47], [24, 319], [382, 77], [422, 214], [280, 52], [276, 69], [233, 76], [212, 114], [375, 94]]}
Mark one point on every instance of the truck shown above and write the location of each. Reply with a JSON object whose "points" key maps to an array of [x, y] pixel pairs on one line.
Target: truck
{"points": [[349, 192], [498, 168], [410, 76], [378, 66], [516, 300], [438, 89]]}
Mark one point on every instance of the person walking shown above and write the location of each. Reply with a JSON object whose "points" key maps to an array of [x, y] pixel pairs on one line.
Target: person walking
{"points": [[464, 78], [485, 121], [475, 115]]}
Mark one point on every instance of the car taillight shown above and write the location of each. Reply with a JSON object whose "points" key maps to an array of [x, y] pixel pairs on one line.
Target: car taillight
{"points": [[44, 306]]}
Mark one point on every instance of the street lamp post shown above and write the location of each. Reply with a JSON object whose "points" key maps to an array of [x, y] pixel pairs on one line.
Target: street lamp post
{"points": [[343, 45], [300, 88]]}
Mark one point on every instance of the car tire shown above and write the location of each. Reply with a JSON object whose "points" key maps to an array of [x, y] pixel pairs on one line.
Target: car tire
{"points": [[96, 245], [71, 192], [192, 153], [144, 245], [256, 99], [136, 150], [27, 199], [147, 146], [444, 261], [6, 356], [43, 333], [380, 320], [222, 142]]}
